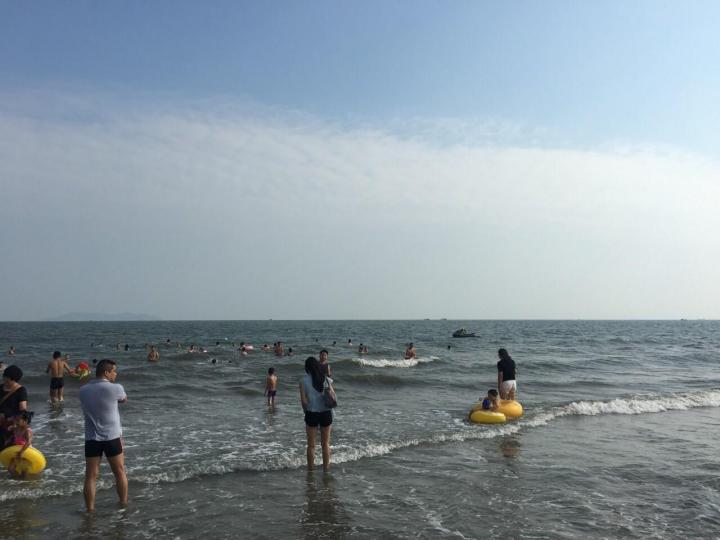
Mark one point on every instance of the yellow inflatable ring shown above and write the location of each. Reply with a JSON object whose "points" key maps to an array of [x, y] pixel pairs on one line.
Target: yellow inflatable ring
{"points": [[487, 417], [510, 408], [31, 462]]}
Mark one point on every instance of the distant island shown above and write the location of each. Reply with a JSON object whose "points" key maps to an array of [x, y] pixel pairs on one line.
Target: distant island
{"points": [[68, 317]]}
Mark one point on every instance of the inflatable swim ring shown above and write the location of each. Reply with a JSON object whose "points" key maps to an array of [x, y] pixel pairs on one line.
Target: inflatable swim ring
{"points": [[510, 408], [487, 417], [80, 373], [31, 462]]}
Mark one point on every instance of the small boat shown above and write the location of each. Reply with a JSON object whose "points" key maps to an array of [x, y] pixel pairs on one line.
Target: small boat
{"points": [[463, 333]]}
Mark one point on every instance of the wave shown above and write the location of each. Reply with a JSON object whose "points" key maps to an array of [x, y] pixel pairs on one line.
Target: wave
{"points": [[258, 461], [401, 363], [645, 404]]}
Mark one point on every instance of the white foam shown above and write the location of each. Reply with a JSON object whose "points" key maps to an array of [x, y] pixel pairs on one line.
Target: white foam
{"points": [[294, 458], [646, 404], [401, 363], [649, 404]]}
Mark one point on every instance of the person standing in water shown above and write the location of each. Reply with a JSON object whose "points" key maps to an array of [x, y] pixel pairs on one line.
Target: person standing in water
{"points": [[99, 401], [271, 387], [57, 368], [410, 351], [507, 386], [317, 413], [324, 365]]}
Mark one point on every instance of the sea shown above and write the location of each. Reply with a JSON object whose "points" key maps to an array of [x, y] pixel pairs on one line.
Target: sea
{"points": [[619, 438]]}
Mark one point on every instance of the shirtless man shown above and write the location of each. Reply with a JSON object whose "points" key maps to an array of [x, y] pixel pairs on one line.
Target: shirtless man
{"points": [[153, 355], [57, 368], [271, 387], [279, 349], [410, 352]]}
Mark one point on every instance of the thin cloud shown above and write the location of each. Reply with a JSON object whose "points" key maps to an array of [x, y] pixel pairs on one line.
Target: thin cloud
{"points": [[226, 169]]}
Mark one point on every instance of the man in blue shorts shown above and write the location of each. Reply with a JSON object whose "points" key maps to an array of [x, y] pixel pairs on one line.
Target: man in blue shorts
{"points": [[99, 400]]}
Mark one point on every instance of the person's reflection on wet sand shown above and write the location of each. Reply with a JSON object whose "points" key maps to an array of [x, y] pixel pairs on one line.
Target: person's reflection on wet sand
{"points": [[323, 516], [509, 446], [24, 517], [112, 526]]}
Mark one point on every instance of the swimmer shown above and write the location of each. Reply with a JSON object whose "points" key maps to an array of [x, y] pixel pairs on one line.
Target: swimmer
{"points": [[271, 387], [360, 349], [279, 349], [290, 352], [365, 349], [57, 368], [410, 352], [243, 349], [127, 347], [349, 342], [265, 347], [11, 351], [153, 355]]}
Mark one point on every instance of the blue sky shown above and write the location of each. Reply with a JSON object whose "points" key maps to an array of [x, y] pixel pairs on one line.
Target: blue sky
{"points": [[586, 72], [559, 136]]}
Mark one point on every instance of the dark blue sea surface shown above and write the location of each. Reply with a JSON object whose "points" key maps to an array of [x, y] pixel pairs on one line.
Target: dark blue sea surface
{"points": [[618, 440]]}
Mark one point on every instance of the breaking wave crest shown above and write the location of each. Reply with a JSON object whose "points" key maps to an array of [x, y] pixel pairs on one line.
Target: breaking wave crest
{"points": [[401, 363]]}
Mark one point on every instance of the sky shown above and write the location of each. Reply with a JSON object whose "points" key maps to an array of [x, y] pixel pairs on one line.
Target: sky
{"points": [[360, 160]]}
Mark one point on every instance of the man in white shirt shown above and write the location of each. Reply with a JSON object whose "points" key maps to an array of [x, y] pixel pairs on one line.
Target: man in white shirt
{"points": [[99, 400]]}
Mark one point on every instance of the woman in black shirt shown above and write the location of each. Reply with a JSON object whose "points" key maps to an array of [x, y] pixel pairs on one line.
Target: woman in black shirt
{"points": [[13, 399]]}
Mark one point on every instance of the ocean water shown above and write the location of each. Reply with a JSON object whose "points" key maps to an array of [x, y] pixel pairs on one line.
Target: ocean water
{"points": [[619, 437]]}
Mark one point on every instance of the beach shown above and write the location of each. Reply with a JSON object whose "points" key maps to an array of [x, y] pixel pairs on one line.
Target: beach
{"points": [[618, 438]]}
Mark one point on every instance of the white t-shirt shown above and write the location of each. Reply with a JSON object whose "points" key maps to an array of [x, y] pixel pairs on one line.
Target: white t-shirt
{"points": [[99, 400]]}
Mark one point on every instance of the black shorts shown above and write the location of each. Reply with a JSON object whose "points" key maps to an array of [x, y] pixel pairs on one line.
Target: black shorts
{"points": [[322, 419], [56, 383], [98, 448]]}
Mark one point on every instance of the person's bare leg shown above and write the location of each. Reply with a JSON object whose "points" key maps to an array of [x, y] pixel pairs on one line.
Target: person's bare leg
{"points": [[92, 468], [310, 432], [117, 464], [511, 394], [325, 442]]}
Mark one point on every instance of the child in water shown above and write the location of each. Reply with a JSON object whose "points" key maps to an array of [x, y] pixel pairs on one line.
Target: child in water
{"points": [[491, 402], [271, 387], [21, 436]]}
